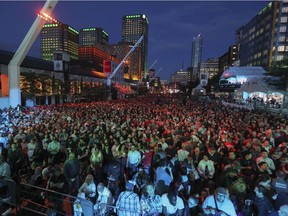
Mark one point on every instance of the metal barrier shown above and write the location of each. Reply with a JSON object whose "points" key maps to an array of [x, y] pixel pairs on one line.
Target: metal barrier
{"points": [[25, 199]]}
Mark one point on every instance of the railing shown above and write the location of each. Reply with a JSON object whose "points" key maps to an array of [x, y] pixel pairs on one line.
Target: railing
{"points": [[25, 199]]}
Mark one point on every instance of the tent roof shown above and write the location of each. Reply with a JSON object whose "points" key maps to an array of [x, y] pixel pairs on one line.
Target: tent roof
{"points": [[199, 87], [259, 84], [243, 71]]}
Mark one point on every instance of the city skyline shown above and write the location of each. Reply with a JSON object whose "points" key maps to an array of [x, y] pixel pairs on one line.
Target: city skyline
{"points": [[172, 25]]}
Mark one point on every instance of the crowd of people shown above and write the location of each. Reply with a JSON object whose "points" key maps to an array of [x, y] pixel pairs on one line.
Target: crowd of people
{"points": [[151, 155]]}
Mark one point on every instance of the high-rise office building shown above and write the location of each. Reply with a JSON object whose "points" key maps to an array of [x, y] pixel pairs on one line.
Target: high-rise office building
{"points": [[133, 27], [92, 36], [132, 63], [230, 58], [94, 57], [59, 37], [196, 56], [210, 66], [180, 76], [263, 40]]}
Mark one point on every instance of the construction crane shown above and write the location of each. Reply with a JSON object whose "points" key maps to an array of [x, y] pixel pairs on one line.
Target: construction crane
{"points": [[26, 44]]}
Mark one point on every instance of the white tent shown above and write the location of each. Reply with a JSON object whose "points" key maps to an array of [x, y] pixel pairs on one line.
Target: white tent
{"points": [[260, 88], [243, 71], [198, 90], [254, 85], [259, 85], [241, 74]]}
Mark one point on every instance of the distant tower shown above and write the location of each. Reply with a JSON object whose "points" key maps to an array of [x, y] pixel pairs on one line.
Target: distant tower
{"points": [[92, 36], [133, 27], [196, 56], [59, 37]]}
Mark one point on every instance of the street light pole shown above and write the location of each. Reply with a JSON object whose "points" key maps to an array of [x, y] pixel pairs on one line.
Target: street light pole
{"points": [[14, 65]]}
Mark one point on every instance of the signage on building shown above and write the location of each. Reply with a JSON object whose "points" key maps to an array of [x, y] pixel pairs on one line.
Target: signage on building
{"points": [[107, 66], [58, 65]]}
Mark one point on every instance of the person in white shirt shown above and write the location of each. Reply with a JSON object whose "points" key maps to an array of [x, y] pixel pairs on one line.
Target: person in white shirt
{"points": [[182, 153], [3, 139], [172, 204], [104, 200], [88, 189], [133, 160], [206, 170], [219, 202], [53, 147], [31, 148]]}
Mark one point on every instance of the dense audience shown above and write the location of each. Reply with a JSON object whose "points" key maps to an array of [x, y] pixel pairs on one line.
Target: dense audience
{"points": [[156, 155]]}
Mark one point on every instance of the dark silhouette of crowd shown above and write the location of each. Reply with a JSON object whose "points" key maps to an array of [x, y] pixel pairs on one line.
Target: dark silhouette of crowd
{"points": [[151, 155]]}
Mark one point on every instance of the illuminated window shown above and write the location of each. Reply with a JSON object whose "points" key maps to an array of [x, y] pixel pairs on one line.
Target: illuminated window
{"points": [[280, 58], [281, 48], [285, 10], [284, 19], [282, 39], [283, 29]]}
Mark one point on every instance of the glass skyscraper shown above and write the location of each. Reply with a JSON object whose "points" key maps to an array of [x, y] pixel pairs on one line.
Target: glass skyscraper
{"points": [[196, 56], [263, 40]]}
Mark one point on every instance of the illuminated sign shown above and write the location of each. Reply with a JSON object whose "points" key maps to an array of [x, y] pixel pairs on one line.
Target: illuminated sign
{"points": [[50, 25], [105, 32], [73, 30], [107, 66], [133, 16], [89, 29]]}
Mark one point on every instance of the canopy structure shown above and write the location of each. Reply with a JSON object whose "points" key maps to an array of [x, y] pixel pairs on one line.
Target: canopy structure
{"points": [[261, 88], [239, 75], [259, 85], [199, 90]]}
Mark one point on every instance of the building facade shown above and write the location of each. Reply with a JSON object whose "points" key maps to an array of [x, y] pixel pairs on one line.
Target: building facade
{"points": [[230, 58], [133, 63], [211, 66], [92, 36], [264, 39], [196, 56], [180, 76], [133, 27], [59, 37], [94, 57]]}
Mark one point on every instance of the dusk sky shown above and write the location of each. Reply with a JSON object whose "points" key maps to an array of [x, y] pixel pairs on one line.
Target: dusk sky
{"points": [[172, 25]]}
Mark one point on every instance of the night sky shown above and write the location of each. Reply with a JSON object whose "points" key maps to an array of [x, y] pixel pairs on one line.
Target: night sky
{"points": [[172, 25]]}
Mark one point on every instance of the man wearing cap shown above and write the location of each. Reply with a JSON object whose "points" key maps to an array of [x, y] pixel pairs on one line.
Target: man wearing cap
{"points": [[219, 202], [128, 203]]}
